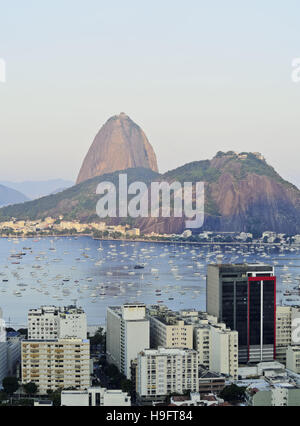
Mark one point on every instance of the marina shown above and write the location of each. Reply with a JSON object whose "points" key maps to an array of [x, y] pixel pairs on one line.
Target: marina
{"points": [[96, 274]]}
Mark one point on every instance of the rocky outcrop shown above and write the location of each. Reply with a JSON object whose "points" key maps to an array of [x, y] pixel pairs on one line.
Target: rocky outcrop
{"points": [[120, 144], [242, 193]]}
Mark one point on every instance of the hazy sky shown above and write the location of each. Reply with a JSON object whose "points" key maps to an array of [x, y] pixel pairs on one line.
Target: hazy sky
{"points": [[198, 76]]}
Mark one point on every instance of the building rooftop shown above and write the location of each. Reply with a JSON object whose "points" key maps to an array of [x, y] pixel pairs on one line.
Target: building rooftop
{"points": [[167, 351], [242, 267], [205, 374]]}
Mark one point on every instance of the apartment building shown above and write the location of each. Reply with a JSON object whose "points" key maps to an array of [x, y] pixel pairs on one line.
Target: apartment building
{"points": [[217, 346], [283, 331], [128, 333], [50, 322], [273, 392], [53, 364], [293, 359], [162, 371], [224, 351], [210, 382], [168, 330], [285, 316], [95, 397]]}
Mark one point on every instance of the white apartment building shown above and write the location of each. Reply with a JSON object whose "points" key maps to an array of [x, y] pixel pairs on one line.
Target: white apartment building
{"points": [[293, 359], [217, 346], [167, 331], [53, 364], [50, 322], [127, 335], [162, 371], [95, 397], [285, 316], [224, 351], [202, 344]]}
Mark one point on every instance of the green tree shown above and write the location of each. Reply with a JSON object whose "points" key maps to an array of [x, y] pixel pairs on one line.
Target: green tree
{"points": [[126, 385], [30, 388], [10, 385], [233, 393], [99, 338], [112, 371], [55, 397]]}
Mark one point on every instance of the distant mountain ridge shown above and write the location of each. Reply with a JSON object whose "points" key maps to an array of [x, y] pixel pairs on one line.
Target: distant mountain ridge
{"points": [[37, 189], [242, 193], [10, 196]]}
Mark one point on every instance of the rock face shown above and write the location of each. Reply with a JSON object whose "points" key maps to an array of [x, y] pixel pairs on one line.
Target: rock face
{"points": [[120, 144], [240, 195]]}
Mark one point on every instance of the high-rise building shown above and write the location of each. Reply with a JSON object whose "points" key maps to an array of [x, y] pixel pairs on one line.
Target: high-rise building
{"points": [[53, 364], [50, 322], [161, 372], [243, 296], [128, 333], [224, 351]]}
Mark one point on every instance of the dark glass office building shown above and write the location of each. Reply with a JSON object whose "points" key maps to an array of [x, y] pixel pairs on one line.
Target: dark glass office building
{"points": [[244, 298]]}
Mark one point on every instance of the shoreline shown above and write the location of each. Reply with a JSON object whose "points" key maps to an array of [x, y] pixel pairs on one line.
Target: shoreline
{"points": [[142, 240]]}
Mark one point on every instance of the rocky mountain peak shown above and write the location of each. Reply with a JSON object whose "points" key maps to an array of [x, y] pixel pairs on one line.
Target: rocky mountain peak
{"points": [[120, 144]]}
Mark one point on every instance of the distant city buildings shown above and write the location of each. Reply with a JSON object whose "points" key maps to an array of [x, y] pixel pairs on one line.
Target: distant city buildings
{"points": [[58, 226]]}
